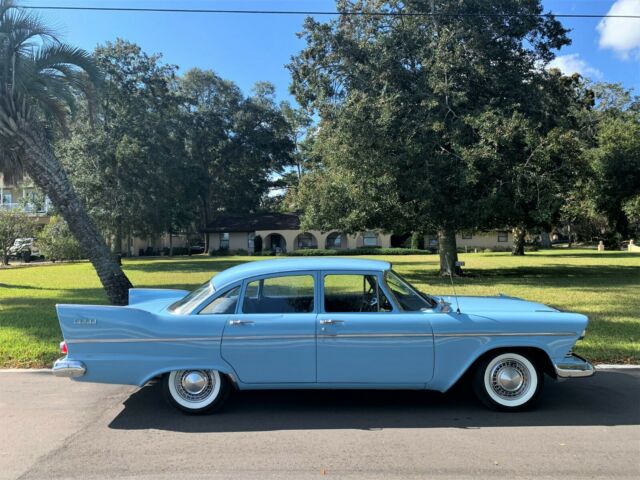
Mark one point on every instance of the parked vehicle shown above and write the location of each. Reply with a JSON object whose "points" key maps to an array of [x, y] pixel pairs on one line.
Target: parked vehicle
{"points": [[319, 323], [196, 249], [24, 249]]}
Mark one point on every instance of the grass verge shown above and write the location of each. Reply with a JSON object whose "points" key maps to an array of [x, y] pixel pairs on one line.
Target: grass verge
{"points": [[605, 286]]}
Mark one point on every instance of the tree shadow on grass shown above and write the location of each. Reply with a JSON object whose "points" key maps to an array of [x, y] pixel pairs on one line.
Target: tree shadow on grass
{"points": [[609, 398], [172, 265], [595, 254], [557, 275]]}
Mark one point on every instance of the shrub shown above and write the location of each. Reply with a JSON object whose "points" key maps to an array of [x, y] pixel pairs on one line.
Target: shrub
{"points": [[57, 243]]}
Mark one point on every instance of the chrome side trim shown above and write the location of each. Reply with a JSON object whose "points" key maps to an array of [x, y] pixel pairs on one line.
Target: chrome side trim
{"points": [[68, 368], [144, 340], [574, 366], [374, 335], [269, 337], [507, 334], [294, 337]]}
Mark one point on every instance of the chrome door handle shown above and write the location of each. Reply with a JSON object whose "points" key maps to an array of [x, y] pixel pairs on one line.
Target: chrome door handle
{"points": [[241, 322], [330, 322]]}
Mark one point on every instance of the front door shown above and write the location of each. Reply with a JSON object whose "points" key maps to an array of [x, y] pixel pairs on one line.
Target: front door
{"points": [[364, 338], [272, 338]]}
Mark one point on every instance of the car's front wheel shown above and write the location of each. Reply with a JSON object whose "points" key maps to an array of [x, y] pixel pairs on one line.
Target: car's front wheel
{"points": [[508, 381], [196, 391]]}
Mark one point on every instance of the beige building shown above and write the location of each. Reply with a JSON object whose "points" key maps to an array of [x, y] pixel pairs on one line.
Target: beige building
{"points": [[496, 239], [280, 232], [22, 196]]}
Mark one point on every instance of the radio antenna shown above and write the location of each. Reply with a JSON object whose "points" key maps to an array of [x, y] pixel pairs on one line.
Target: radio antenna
{"points": [[453, 287]]}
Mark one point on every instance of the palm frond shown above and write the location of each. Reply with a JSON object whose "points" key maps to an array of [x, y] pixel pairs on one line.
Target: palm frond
{"points": [[35, 66]]}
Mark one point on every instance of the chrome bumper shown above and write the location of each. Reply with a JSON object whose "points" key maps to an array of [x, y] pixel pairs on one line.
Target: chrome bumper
{"points": [[68, 368], [573, 366]]}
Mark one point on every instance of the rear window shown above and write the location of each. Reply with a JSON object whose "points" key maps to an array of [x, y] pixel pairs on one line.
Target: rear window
{"points": [[192, 300]]}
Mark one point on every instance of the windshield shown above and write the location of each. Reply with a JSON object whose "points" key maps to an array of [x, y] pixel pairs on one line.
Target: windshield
{"points": [[408, 297], [189, 302]]}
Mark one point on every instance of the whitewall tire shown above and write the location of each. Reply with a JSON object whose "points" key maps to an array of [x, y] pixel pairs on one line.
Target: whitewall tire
{"points": [[508, 381], [195, 391]]}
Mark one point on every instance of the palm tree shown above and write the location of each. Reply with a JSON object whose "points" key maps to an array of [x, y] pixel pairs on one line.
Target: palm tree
{"points": [[40, 80]]}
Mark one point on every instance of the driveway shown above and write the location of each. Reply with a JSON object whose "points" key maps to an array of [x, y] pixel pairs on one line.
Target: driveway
{"points": [[56, 428]]}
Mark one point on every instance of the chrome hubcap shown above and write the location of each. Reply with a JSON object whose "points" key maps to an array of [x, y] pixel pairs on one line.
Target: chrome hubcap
{"points": [[510, 379], [194, 385]]}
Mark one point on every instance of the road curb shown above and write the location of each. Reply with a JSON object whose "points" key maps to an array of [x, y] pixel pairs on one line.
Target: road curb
{"points": [[25, 370], [606, 366]]}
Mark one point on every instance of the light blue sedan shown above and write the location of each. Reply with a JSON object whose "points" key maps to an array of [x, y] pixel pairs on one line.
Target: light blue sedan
{"points": [[319, 323]]}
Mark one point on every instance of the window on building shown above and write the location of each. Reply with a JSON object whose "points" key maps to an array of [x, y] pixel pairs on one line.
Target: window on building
{"points": [[503, 237], [467, 235], [224, 241], [288, 294], [306, 240], [7, 198], [225, 303], [334, 240], [354, 293], [370, 239]]}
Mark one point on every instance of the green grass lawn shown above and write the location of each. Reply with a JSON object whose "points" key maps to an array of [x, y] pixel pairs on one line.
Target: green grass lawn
{"points": [[604, 286]]}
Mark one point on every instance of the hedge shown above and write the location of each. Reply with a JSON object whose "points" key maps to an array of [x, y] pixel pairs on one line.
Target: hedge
{"points": [[351, 251]]}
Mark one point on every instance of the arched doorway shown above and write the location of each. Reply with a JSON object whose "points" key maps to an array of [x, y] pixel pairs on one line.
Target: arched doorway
{"points": [[254, 243], [306, 241], [275, 242], [335, 241]]}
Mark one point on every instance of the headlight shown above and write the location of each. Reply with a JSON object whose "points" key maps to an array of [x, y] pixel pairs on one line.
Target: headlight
{"points": [[582, 335]]}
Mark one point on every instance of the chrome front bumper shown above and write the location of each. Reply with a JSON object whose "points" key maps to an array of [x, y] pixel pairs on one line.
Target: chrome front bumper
{"points": [[68, 368], [573, 366]]}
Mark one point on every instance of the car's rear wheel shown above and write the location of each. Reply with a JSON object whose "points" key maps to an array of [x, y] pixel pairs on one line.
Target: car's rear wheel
{"points": [[196, 391], [508, 381]]}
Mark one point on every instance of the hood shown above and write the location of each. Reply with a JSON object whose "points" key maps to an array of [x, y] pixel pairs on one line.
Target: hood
{"points": [[500, 303]]}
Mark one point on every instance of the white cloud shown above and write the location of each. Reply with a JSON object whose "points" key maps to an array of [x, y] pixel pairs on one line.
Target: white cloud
{"points": [[621, 34], [572, 63]]}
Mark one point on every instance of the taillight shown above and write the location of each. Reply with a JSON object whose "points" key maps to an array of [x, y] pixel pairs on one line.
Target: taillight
{"points": [[63, 347]]}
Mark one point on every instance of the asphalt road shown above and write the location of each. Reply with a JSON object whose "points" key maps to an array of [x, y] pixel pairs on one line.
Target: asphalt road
{"points": [[56, 428]]}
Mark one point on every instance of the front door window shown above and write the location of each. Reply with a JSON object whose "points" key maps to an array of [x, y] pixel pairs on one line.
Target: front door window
{"points": [[354, 293]]}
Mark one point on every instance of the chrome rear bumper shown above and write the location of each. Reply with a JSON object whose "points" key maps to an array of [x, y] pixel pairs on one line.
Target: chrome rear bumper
{"points": [[68, 368], [573, 366]]}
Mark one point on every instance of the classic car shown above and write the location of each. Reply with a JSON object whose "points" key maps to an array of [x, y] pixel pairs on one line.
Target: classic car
{"points": [[319, 323]]}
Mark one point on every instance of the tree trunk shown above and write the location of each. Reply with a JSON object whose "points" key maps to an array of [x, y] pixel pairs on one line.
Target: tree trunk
{"points": [[45, 170], [119, 236], [170, 244], [545, 239], [518, 241], [448, 250]]}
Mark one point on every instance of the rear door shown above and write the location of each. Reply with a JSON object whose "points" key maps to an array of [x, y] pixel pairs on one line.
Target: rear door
{"points": [[272, 337], [363, 337]]}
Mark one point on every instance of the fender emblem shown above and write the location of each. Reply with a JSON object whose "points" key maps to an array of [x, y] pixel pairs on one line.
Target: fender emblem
{"points": [[85, 321]]}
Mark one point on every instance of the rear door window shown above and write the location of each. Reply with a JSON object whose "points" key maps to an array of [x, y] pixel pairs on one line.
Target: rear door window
{"points": [[283, 294]]}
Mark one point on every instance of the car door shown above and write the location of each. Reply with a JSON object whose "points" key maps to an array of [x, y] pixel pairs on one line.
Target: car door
{"points": [[363, 337], [271, 339]]}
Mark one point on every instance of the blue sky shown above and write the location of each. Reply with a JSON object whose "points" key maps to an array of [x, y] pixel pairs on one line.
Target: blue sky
{"points": [[249, 48]]}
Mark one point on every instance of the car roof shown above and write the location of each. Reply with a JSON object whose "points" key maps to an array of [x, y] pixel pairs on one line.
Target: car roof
{"points": [[282, 265]]}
